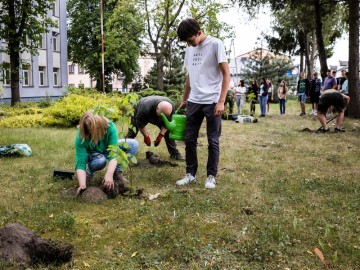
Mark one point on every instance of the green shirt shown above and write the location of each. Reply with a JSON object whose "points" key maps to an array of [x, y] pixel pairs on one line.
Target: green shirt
{"points": [[83, 148]]}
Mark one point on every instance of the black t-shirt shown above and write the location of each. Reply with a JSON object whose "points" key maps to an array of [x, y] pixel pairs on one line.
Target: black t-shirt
{"points": [[145, 111]]}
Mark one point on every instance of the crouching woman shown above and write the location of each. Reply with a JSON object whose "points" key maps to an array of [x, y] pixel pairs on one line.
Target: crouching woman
{"points": [[94, 135]]}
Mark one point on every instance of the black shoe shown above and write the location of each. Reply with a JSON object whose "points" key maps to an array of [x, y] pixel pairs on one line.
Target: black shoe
{"points": [[322, 130], [262, 115], [339, 130], [177, 157], [302, 114]]}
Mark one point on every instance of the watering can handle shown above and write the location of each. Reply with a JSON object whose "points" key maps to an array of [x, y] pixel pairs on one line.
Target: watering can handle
{"points": [[178, 111]]}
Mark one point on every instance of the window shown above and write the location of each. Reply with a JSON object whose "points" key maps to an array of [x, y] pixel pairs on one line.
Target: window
{"points": [[42, 44], [55, 8], [6, 76], [56, 76], [42, 76], [71, 69], [81, 70], [55, 41], [26, 75]]}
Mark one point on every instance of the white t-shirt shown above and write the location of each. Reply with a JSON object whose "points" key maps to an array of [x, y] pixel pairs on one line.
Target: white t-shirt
{"points": [[240, 90], [202, 63]]}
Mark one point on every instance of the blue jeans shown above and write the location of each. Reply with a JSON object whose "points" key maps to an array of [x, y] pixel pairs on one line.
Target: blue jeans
{"points": [[263, 101], [282, 105], [97, 161]]}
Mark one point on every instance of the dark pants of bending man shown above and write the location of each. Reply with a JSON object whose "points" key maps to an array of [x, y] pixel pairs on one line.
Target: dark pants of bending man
{"points": [[195, 114]]}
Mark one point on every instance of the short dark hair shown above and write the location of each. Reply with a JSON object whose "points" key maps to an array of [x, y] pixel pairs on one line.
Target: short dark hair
{"points": [[187, 28]]}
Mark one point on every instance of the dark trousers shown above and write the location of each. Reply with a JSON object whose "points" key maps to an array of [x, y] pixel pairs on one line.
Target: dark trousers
{"points": [[282, 105], [195, 114], [170, 144]]}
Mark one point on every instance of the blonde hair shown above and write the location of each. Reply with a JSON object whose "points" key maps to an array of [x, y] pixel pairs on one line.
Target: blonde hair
{"points": [[93, 127]]}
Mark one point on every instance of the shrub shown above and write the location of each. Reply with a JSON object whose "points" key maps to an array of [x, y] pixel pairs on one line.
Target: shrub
{"points": [[150, 92]]}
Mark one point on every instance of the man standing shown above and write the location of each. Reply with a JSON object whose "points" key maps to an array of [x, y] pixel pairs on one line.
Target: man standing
{"points": [[302, 91], [329, 82], [204, 95], [315, 89], [147, 111]]}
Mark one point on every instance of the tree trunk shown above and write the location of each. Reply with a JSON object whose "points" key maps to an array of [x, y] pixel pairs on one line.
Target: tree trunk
{"points": [[353, 77], [307, 57], [14, 72], [320, 40], [160, 71]]}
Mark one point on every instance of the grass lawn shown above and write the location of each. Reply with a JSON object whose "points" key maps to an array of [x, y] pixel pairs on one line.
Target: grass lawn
{"points": [[281, 193]]}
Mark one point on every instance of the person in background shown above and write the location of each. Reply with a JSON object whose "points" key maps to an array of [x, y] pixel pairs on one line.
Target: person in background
{"points": [[253, 91], [315, 91], [282, 94], [263, 96], [148, 110], [342, 79], [204, 96], [332, 98], [345, 85], [302, 91], [270, 95], [329, 82], [240, 92], [94, 136]]}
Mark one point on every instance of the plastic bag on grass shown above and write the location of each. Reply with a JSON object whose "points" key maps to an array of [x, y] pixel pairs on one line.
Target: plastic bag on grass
{"points": [[22, 150]]}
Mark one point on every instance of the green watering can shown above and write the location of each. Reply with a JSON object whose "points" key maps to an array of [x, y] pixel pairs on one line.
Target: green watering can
{"points": [[176, 127]]}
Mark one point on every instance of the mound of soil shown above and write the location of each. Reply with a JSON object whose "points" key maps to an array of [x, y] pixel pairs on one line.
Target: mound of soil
{"points": [[91, 194], [156, 160], [20, 247]]}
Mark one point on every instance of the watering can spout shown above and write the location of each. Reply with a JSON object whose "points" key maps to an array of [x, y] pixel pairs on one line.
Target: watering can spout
{"points": [[176, 126], [169, 125]]}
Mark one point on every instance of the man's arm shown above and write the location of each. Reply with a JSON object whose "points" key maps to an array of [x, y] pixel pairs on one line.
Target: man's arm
{"points": [[224, 68], [186, 92]]}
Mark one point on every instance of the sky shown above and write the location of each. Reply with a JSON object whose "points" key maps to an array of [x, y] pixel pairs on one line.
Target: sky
{"points": [[248, 30]]}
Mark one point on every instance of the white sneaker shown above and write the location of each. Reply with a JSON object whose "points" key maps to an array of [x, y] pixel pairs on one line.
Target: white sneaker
{"points": [[210, 182], [188, 179]]}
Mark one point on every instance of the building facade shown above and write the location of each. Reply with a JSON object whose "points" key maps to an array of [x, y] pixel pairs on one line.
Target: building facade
{"points": [[44, 74]]}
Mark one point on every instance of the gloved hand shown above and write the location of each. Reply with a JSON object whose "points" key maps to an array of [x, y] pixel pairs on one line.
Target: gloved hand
{"points": [[158, 139], [147, 140]]}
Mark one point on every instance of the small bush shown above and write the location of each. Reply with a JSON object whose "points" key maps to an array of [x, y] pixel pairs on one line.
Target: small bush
{"points": [[147, 92]]}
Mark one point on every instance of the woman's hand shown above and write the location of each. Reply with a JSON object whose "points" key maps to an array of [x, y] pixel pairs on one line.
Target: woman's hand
{"points": [[108, 181]]}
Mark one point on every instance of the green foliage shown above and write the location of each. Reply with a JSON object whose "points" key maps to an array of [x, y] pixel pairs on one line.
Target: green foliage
{"points": [[67, 111], [123, 27], [150, 92], [273, 68]]}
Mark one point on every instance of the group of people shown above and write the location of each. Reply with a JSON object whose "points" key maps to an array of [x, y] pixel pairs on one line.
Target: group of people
{"points": [[204, 96], [262, 93], [330, 96]]}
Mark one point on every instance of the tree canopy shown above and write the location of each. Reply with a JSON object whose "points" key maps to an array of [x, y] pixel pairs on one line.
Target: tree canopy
{"points": [[22, 25], [123, 28]]}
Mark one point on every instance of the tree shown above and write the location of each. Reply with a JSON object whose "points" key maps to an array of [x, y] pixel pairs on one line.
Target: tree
{"points": [[161, 18], [274, 68], [123, 28], [22, 25], [353, 77]]}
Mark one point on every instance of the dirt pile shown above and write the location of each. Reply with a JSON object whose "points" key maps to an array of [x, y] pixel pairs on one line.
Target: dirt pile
{"points": [[20, 247]]}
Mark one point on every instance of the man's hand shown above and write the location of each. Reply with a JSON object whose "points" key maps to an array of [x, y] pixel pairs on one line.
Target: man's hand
{"points": [[158, 139], [147, 140], [219, 108]]}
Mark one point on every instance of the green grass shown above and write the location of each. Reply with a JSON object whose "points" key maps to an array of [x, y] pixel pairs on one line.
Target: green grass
{"points": [[303, 189]]}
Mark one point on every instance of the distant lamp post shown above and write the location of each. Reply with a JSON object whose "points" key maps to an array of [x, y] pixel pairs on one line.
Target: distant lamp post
{"points": [[102, 46], [232, 44]]}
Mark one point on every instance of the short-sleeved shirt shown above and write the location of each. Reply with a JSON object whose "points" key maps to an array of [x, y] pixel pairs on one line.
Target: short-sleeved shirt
{"points": [[145, 111], [202, 63], [85, 147], [329, 82]]}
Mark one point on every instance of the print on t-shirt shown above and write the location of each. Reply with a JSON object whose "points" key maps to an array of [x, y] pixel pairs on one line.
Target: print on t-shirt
{"points": [[197, 59]]}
